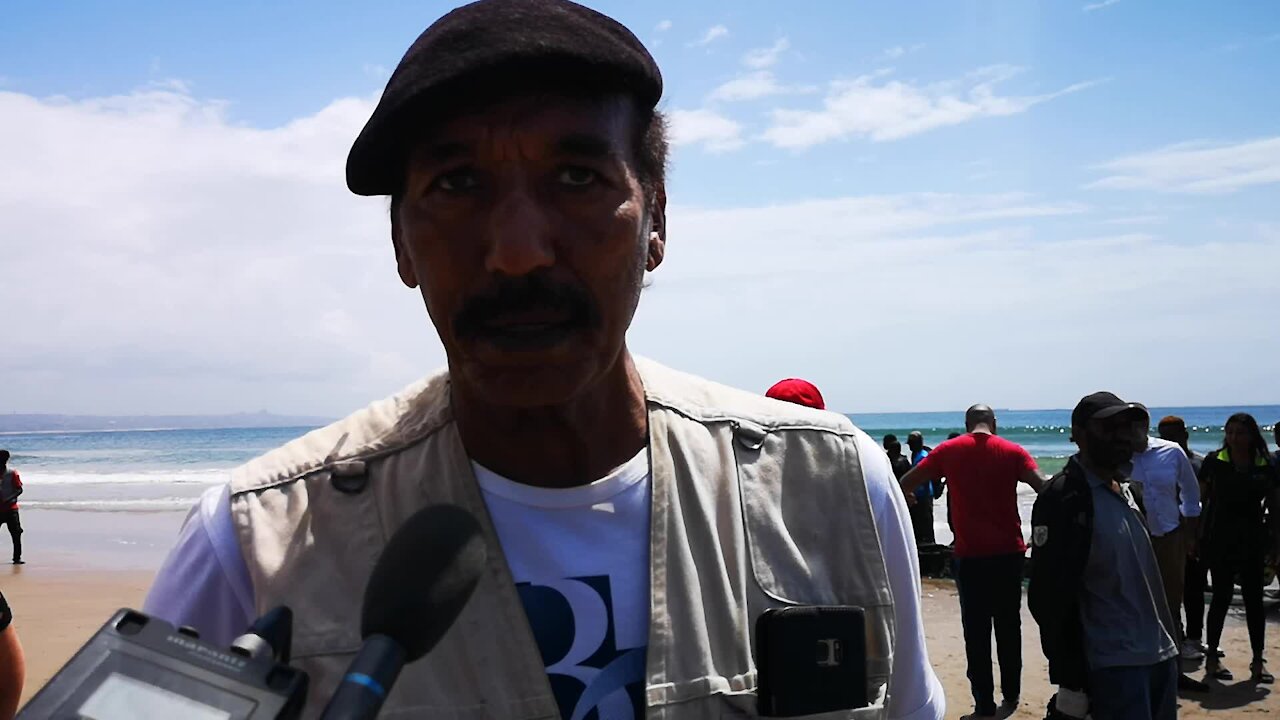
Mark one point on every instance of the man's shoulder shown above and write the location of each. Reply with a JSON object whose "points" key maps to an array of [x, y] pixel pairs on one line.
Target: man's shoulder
{"points": [[1063, 487], [1161, 448], [380, 428], [708, 401]]}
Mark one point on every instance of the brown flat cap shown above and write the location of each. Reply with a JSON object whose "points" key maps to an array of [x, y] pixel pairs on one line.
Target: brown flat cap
{"points": [[489, 37]]}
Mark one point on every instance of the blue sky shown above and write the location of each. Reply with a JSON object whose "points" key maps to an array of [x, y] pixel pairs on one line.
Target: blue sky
{"points": [[917, 205]]}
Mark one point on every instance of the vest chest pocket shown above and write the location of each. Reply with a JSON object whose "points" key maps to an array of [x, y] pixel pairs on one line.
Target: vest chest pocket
{"points": [[803, 526]]}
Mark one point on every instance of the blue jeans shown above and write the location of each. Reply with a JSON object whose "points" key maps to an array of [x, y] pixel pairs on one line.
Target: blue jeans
{"points": [[1145, 692]]}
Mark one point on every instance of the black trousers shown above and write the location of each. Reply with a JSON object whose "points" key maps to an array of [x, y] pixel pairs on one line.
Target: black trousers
{"points": [[991, 596], [1224, 568], [922, 521], [10, 518], [1193, 585]]}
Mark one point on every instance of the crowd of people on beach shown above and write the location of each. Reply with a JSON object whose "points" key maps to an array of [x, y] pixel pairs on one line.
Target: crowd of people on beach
{"points": [[1160, 519]]}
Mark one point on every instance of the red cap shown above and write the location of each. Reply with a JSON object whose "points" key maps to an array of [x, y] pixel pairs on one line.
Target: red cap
{"points": [[800, 392]]}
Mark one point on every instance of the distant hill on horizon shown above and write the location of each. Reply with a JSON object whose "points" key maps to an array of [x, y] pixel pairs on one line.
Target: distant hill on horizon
{"points": [[54, 422]]}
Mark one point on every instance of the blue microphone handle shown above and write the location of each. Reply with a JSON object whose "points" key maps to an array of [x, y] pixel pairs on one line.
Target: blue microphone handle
{"points": [[369, 678]]}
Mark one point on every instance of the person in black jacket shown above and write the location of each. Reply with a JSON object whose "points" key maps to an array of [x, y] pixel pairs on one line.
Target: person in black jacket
{"points": [[1095, 588], [893, 448], [1238, 540]]}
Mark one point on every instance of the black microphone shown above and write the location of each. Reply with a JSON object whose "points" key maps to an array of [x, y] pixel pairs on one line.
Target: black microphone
{"points": [[270, 635], [418, 587]]}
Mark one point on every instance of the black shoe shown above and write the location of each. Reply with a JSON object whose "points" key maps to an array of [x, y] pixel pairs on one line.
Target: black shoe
{"points": [[1188, 683], [1258, 672], [1053, 713], [985, 710], [1215, 670], [1009, 703], [19, 561]]}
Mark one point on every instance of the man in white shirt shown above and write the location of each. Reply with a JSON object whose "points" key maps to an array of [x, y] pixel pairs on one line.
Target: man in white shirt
{"points": [[1171, 500], [1196, 575]]}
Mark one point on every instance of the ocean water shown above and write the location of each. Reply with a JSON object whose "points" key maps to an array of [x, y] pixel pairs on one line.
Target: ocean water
{"points": [[152, 470], [132, 470], [1046, 434]]}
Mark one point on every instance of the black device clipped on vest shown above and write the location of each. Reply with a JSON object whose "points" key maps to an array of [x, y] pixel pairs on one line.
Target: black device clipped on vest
{"points": [[417, 589], [137, 666], [811, 659]]}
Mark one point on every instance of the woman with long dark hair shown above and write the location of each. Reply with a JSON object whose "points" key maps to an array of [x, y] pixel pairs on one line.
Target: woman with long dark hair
{"points": [[1240, 534]]}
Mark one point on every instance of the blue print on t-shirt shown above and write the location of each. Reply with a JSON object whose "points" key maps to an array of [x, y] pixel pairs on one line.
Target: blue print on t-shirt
{"points": [[573, 623]]}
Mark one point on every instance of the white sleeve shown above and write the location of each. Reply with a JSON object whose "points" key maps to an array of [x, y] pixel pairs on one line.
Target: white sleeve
{"points": [[1188, 486], [204, 582], [917, 694]]}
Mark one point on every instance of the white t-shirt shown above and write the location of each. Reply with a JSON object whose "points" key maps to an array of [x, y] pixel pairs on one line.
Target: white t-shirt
{"points": [[204, 582], [580, 560]]}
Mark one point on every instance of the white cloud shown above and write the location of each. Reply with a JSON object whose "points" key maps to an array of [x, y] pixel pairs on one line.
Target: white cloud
{"points": [[1137, 220], [712, 34], [1099, 5], [875, 107], [761, 58], [663, 26], [813, 289], [714, 131], [898, 51], [1249, 43], [160, 257], [754, 85], [1197, 167]]}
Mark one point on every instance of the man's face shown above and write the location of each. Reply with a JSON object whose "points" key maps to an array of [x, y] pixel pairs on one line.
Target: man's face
{"points": [[527, 231], [894, 449], [1111, 443], [915, 442]]}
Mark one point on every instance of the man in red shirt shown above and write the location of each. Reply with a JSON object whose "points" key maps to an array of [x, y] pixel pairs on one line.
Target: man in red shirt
{"points": [[10, 489], [983, 471]]}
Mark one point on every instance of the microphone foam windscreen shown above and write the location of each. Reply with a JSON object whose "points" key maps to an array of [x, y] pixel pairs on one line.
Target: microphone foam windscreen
{"points": [[423, 579]]}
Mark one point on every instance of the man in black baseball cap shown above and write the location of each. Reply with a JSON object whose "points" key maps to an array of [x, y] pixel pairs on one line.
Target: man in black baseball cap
{"points": [[1095, 586], [638, 520]]}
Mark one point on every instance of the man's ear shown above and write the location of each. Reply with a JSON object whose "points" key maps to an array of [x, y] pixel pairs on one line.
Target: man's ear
{"points": [[657, 227], [404, 261]]}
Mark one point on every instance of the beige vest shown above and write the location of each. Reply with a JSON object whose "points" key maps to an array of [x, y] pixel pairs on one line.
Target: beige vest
{"points": [[756, 504]]}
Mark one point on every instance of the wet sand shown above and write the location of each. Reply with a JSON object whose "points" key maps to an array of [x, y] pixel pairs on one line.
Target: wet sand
{"points": [[81, 567]]}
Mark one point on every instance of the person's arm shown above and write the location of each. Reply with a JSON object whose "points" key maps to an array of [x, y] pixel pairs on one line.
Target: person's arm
{"points": [[204, 582], [926, 471], [1189, 492], [1050, 599], [917, 694], [13, 665], [1029, 472], [1032, 477], [1272, 503], [17, 483]]}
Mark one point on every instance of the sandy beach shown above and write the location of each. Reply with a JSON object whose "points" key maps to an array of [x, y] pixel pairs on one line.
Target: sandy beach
{"points": [[1240, 698], [81, 567], [85, 565]]}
